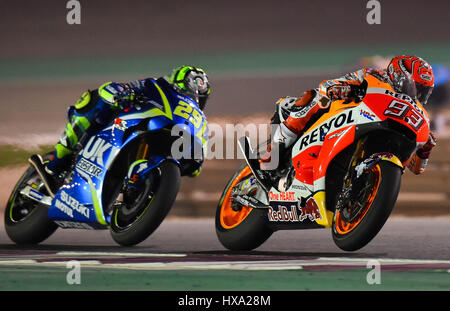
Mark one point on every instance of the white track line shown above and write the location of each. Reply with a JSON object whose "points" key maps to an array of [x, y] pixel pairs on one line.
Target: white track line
{"points": [[214, 265], [74, 253]]}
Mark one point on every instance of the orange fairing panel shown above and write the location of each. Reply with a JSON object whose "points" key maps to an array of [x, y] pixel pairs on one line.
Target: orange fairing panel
{"points": [[333, 144], [304, 164]]}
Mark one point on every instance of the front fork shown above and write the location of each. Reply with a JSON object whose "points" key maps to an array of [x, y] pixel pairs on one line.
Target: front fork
{"points": [[349, 178], [357, 167], [139, 169]]}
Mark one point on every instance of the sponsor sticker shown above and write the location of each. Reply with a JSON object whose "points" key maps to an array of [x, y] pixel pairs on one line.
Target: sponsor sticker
{"points": [[89, 168], [318, 134], [94, 150], [74, 204], [337, 134], [282, 196], [311, 211], [285, 211], [367, 115], [64, 208], [120, 124]]}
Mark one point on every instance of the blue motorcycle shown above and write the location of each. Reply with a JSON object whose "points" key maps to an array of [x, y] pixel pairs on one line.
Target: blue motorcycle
{"points": [[125, 178]]}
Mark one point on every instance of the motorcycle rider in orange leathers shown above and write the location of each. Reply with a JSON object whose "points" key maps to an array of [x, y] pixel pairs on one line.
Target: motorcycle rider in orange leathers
{"points": [[408, 75]]}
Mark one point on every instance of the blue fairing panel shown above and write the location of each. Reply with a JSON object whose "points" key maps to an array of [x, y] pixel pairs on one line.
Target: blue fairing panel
{"points": [[81, 199]]}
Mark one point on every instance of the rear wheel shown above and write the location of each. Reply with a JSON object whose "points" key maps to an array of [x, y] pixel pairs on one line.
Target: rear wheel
{"points": [[26, 220], [363, 216], [243, 229]]}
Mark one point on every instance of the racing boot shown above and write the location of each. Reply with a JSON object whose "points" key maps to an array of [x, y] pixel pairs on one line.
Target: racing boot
{"points": [[48, 177], [272, 164], [53, 163]]}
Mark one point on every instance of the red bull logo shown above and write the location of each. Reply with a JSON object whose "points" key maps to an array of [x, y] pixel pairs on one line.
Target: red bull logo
{"points": [[283, 214], [290, 212], [311, 210]]}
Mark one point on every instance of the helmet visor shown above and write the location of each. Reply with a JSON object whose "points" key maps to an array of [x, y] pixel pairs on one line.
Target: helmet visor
{"points": [[423, 93], [405, 86], [415, 90], [196, 84]]}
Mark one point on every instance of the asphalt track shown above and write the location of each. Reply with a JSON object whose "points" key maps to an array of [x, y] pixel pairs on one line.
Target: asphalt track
{"points": [[184, 254]]}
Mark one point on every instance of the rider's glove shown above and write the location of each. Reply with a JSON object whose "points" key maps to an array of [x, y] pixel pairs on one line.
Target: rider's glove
{"points": [[117, 94], [357, 93], [424, 152], [419, 160], [347, 92], [339, 91], [124, 98]]}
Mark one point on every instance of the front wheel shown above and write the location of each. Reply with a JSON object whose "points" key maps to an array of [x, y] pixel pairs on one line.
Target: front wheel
{"points": [[373, 203], [243, 229], [138, 215]]}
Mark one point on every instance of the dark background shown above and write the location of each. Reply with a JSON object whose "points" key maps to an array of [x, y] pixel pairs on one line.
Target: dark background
{"points": [[38, 29]]}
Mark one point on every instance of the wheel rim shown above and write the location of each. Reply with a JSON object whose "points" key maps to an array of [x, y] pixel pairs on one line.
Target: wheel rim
{"points": [[20, 208], [230, 218], [128, 213], [341, 225]]}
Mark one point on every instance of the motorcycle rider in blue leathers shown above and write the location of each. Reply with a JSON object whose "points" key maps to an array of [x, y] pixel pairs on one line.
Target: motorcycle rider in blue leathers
{"points": [[97, 108]]}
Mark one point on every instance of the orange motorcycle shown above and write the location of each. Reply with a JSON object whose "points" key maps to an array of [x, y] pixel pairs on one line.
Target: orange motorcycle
{"points": [[344, 173]]}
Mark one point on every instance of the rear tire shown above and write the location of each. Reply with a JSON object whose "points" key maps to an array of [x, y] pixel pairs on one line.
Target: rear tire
{"points": [[243, 230], [26, 221], [351, 236]]}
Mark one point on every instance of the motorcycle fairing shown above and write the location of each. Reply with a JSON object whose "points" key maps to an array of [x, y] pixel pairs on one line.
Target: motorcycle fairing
{"points": [[80, 201], [336, 130]]}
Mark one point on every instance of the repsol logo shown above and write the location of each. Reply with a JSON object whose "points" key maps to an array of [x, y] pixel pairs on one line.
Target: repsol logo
{"points": [[319, 133], [400, 96]]}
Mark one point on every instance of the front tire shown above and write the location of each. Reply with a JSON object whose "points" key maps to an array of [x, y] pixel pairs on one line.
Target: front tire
{"points": [[383, 181], [241, 230], [26, 221], [132, 226]]}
